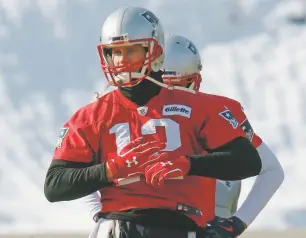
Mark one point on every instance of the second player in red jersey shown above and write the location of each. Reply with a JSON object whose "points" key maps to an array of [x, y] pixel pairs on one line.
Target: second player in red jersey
{"points": [[183, 69]]}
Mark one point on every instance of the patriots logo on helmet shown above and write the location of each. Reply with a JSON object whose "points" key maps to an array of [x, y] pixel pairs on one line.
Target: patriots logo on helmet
{"points": [[228, 115], [192, 48], [150, 17]]}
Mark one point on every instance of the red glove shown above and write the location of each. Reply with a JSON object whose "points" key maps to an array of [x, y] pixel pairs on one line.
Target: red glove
{"points": [[134, 157], [168, 168]]}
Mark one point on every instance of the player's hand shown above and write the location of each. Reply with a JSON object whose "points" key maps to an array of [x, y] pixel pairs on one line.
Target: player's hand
{"points": [[134, 158], [225, 228], [167, 168]]}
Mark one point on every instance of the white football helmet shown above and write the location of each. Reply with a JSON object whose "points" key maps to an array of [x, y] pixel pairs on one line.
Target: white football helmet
{"points": [[182, 63], [128, 26]]}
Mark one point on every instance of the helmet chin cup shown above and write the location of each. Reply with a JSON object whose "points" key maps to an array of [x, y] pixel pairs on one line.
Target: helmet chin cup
{"points": [[192, 81]]}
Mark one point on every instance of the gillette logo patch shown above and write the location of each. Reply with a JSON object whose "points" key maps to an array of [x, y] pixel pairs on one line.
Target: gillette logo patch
{"points": [[177, 109]]}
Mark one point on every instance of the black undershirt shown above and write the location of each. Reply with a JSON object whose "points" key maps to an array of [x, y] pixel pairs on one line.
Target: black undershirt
{"points": [[141, 93]]}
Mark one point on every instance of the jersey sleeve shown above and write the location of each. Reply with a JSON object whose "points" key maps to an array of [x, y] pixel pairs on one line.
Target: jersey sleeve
{"points": [[251, 135], [219, 128], [76, 142], [245, 125]]}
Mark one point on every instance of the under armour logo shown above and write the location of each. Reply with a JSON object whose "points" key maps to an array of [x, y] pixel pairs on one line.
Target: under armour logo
{"points": [[164, 164], [131, 162]]}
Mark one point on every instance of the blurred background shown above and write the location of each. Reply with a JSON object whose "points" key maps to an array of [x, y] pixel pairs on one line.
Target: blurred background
{"points": [[253, 51]]}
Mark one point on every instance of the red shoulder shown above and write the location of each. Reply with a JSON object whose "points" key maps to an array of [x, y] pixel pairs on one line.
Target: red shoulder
{"points": [[225, 100], [93, 112]]}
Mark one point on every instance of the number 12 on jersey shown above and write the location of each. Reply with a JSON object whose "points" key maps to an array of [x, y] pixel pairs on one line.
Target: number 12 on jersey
{"points": [[122, 133], [173, 138]]}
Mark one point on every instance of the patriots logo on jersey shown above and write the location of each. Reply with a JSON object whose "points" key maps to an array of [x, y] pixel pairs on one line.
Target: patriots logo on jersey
{"points": [[142, 110], [247, 128], [228, 115], [62, 135]]}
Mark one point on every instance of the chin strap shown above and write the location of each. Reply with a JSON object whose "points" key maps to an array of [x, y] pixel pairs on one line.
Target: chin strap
{"points": [[169, 86]]}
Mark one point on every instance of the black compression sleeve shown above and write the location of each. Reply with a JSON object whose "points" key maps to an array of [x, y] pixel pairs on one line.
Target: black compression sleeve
{"points": [[66, 180], [236, 160]]}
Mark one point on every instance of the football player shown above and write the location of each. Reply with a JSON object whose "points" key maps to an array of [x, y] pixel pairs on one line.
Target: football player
{"points": [[147, 127], [182, 68]]}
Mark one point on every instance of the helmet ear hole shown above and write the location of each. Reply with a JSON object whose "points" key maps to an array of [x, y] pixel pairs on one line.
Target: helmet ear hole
{"points": [[189, 82], [159, 59], [107, 51]]}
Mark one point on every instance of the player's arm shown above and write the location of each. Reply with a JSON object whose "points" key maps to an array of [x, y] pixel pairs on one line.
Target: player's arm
{"points": [[67, 180], [93, 204], [75, 171], [266, 184], [230, 156], [235, 160], [271, 175]]}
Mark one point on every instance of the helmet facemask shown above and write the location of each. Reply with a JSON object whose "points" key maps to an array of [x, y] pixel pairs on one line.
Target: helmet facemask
{"points": [[191, 81], [125, 74]]}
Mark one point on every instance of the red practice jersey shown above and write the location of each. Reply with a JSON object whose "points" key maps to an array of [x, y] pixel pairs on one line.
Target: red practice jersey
{"points": [[188, 123]]}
